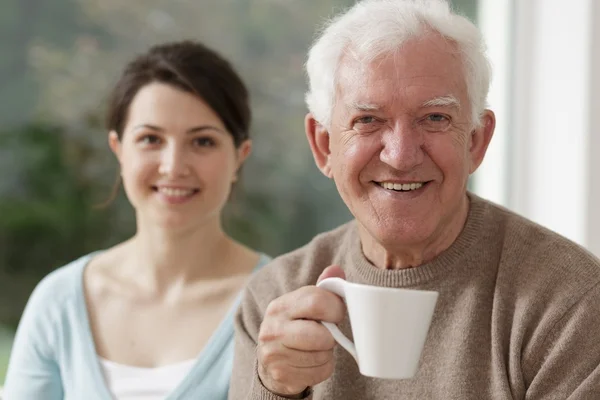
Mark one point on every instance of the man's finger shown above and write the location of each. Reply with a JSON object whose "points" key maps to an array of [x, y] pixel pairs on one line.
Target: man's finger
{"points": [[333, 271]]}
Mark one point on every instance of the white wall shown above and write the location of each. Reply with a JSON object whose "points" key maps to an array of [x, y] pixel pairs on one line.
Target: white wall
{"points": [[548, 113], [593, 157], [494, 19]]}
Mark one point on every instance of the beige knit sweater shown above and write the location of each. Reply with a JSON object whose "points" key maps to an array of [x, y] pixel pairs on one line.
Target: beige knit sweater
{"points": [[518, 315]]}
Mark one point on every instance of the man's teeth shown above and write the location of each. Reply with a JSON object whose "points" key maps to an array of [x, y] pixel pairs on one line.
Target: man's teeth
{"points": [[401, 186], [176, 192]]}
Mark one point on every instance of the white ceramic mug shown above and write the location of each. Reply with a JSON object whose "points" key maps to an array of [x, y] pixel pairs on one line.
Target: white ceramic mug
{"points": [[389, 326]]}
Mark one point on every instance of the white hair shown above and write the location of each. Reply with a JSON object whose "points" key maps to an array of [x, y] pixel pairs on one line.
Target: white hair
{"points": [[373, 28]]}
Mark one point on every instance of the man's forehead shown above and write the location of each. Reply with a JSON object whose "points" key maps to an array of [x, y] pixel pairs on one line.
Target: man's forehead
{"points": [[369, 87], [429, 64], [422, 92]]}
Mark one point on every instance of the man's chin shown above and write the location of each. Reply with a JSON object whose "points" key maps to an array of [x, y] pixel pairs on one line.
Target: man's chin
{"points": [[401, 231]]}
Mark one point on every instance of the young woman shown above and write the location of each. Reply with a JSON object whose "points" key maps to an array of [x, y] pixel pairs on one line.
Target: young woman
{"points": [[151, 318]]}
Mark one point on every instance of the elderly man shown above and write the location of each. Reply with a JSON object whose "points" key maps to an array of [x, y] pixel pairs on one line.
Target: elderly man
{"points": [[398, 121]]}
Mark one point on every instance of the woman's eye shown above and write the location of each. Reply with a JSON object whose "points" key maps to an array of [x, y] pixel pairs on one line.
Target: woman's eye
{"points": [[204, 142], [150, 139]]}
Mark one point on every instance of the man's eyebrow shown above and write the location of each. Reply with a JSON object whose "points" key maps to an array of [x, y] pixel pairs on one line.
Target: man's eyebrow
{"points": [[440, 101], [359, 106], [443, 101]]}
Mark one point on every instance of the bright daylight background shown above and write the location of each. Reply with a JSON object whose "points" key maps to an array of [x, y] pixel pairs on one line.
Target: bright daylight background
{"points": [[59, 59]]}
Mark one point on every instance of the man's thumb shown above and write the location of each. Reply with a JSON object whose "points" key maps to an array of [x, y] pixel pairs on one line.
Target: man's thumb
{"points": [[333, 271]]}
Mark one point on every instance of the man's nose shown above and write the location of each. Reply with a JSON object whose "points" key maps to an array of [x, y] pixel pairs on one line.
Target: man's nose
{"points": [[402, 147]]}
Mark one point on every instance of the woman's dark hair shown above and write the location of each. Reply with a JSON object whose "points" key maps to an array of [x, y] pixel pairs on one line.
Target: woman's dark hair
{"points": [[191, 67]]}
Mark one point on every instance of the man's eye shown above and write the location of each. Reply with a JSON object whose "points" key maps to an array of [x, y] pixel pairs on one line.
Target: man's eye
{"points": [[436, 122], [437, 118], [204, 142], [365, 120]]}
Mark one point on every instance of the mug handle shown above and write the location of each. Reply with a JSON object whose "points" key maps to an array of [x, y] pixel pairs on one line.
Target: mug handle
{"points": [[338, 286]]}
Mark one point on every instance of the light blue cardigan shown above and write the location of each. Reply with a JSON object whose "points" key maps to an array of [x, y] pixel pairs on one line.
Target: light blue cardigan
{"points": [[54, 357]]}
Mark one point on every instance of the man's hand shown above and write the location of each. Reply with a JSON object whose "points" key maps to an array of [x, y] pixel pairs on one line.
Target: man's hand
{"points": [[295, 351]]}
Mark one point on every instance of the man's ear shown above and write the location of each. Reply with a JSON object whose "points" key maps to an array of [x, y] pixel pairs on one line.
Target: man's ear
{"points": [[480, 139], [115, 144], [318, 139]]}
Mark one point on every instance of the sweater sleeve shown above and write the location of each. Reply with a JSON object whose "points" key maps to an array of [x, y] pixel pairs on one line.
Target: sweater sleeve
{"points": [[245, 383], [566, 365], [33, 372]]}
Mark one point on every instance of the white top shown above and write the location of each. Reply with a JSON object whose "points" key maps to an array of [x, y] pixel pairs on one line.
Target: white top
{"points": [[135, 383]]}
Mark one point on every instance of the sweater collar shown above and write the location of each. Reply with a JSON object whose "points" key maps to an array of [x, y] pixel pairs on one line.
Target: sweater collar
{"points": [[450, 261]]}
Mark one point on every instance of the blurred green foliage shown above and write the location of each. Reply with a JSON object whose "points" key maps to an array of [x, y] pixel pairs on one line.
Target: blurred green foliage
{"points": [[22, 24], [47, 214]]}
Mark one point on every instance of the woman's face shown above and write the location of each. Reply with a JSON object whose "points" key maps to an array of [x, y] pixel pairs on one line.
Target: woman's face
{"points": [[178, 161]]}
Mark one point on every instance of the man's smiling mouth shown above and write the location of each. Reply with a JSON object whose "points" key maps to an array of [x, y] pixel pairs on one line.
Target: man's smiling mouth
{"points": [[402, 187]]}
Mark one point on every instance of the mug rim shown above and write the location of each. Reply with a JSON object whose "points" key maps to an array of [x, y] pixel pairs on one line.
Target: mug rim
{"points": [[392, 289]]}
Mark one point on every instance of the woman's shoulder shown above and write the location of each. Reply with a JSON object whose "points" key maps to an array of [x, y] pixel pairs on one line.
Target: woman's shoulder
{"points": [[263, 259], [60, 285], [54, 297]]}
